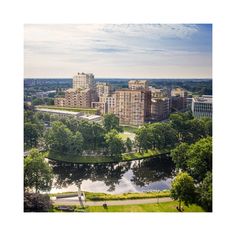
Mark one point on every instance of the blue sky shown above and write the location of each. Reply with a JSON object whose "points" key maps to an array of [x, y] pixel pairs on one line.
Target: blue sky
{"points": [[118, 50]]}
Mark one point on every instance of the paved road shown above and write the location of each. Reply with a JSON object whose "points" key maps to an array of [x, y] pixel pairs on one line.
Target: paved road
{"points": [[75, 201]]}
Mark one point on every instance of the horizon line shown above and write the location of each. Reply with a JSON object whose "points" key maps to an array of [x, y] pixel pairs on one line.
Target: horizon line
{"points": [[139, 78]]}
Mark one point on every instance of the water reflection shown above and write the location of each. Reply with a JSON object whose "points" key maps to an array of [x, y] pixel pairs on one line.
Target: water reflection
{"points": [[112, 177]]}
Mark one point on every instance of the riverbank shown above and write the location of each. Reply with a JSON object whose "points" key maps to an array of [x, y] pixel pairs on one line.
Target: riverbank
{"points": [[109, 197], [71, 158]]}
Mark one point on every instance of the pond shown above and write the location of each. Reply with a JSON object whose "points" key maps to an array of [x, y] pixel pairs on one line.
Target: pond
{"points": [[135, 176]]}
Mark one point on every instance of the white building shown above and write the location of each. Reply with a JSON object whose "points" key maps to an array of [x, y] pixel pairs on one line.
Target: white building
{"points": [[59, 112], [202, 106]]}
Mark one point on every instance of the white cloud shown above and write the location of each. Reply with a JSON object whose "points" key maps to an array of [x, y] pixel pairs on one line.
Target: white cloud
{"points": [[62, 50]]}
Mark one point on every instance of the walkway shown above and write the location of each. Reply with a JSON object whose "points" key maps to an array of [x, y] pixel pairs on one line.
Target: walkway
{"points": [[75, 201]]}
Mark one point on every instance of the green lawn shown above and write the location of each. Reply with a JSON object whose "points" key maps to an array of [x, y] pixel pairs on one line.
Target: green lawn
{"points": [[161, 207], [101, 159], [138, 155], [131, 129], [77, 109], [90, 196]]}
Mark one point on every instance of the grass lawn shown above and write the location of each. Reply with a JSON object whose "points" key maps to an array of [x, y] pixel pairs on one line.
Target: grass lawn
{"points": [[161, 207], [137, 155], [90, 196], [102, 159], [77, 109], [131, 129]]}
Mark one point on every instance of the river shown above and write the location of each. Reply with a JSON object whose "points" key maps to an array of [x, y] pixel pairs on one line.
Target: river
{"points": [[136, 176]]}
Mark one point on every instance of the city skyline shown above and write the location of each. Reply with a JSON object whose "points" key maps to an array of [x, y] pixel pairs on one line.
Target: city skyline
{"points": [[118, 51]]}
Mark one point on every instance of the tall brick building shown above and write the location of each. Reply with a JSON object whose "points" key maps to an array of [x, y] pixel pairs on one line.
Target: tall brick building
{"points": [[133, 107]]}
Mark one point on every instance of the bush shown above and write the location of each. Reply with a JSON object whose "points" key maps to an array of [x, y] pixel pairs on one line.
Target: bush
{"points": [[35, 202]]}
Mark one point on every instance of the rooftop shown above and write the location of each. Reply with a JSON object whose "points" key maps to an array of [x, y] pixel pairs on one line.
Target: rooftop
{"points": [[203, 99], [58, 111]]}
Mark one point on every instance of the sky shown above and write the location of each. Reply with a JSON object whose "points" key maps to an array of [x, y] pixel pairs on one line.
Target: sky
{"points": [[118, 50]]}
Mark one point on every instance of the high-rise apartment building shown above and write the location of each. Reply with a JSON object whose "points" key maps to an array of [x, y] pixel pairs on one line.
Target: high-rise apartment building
{"points": [[100, 106], [133, 107], [78, 98], [84, 81], [138, 84], [179, 99], [202, 106], [160, 108], [110, 101], [103, 89]]}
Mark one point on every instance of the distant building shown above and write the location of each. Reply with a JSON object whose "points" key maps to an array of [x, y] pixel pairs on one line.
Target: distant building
{"points": [[60, 112], [100, 106], [78, 98], [60, 102], [138, 84], [202, 106], [160, 93], [179, 99], [103, 89], [84, 81], [189, 103], [133, 106], [110, 101], [160, 108], [77, 115]]}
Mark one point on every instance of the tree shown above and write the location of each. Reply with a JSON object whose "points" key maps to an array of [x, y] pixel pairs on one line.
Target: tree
{"points": [[200, 159], [114, 143], [37, 172], [31, 134], [180, 156], [144, 138], [163, 135], [128, 144], [204, 198], [196, 130], [77, 143], [59, 138], [183, 189], [111, 121], [93, 134], [37, 101], [35, 202], [179, 122]]}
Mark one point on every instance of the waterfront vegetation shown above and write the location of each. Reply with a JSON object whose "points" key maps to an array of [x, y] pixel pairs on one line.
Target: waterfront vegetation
{"points": [[109, 197], [72, 158], [187, 139]]}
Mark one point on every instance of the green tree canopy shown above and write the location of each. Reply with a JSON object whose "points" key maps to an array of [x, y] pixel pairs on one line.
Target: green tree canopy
{"points": [[111, 121], [180, 156], [114, 143], [37, 172], [204, 198], [200, 158], [143, 138], [183, 189], [163, 135], [35, 202], [59, 137]]}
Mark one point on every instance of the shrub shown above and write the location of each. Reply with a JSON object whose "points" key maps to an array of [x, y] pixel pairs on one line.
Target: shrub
{"points": [[35, 202]]}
